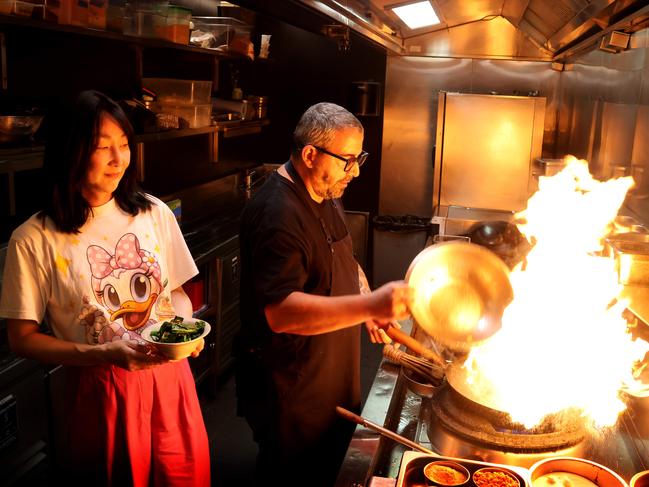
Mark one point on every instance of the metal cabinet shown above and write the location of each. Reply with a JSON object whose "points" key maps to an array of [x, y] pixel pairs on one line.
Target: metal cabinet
{"points": [[221, 274], [23, 424]]}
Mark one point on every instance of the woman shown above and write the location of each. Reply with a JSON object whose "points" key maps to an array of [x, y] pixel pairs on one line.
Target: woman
{"points": [[100, 262]]}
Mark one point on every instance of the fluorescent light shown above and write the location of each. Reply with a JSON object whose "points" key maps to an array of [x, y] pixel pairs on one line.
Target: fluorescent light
{"points": [[416, 15]]}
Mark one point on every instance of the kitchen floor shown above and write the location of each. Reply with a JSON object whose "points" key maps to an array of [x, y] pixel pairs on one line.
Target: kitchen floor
{"points": [[232, 449]]}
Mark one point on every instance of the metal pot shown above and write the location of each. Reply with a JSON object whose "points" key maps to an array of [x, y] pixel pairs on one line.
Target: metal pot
{"points": [[594, 472], [14, 128]]}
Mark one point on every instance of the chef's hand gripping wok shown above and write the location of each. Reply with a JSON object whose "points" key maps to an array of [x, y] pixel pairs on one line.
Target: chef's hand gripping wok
{"points": [[460, 293]]}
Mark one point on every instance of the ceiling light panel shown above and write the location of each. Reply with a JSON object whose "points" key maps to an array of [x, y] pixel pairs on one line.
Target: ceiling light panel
{"points": [[417, 15]]}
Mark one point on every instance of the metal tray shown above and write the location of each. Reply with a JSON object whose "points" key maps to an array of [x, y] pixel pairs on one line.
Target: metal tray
{"points": [[631, 253], [411, 472]]}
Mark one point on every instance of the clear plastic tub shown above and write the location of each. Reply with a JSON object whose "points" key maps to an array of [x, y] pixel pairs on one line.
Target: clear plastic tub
{"points": [[222, 33], [97, 10], [177, 27], [172, 91], [34, 10], [144, 23], [196, 116], [115, 15]]}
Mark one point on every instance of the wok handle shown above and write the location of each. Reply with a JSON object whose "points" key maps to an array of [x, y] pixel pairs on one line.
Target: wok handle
{"points": [[406, 340], [355, 418]]}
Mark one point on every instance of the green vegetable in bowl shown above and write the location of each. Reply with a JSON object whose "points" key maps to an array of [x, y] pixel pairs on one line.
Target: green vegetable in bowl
{"points": [[176, 331]]}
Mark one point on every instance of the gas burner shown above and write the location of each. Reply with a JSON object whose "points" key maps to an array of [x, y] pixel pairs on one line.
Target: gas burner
{"points": [[494, 429], [460, 427]]}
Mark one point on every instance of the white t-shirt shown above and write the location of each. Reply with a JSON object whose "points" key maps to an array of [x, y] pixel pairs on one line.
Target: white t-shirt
{"points": [[102, 284]]}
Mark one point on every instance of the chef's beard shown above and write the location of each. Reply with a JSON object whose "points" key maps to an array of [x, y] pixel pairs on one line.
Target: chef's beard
{"points": [[336, 191]]}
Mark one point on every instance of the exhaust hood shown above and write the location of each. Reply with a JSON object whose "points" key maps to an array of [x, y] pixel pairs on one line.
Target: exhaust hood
{"points": [[557, 30]]}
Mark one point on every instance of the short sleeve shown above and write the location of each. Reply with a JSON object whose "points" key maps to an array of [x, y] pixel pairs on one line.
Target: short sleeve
{"points": [[279, 263], [180, 263], [25, 286]]}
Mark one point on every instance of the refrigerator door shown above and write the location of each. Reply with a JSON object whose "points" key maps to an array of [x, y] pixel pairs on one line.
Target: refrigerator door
{"points": [[485, 148]]}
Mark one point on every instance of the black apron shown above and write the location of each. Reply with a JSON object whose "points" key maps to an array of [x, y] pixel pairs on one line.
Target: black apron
{"points": [[300, 429]]}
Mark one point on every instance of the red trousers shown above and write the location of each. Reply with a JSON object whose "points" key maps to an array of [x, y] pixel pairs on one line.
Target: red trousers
{"points": [[136, 428]]}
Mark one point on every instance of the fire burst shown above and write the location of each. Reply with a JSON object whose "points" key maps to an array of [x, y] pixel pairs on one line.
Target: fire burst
{"points": [[563, 343]]}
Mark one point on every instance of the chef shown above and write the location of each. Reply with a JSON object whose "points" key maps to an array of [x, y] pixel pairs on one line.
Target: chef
{"points": [[299, 350]]}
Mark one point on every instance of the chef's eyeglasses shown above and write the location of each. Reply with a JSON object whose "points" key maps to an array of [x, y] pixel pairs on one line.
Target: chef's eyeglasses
{"points": [[349, 161]]}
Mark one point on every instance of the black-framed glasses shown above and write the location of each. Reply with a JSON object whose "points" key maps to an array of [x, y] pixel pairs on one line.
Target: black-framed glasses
{"points": [[349, 161]]}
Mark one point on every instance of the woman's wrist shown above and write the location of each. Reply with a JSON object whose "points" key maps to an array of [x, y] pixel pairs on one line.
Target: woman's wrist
{"points": [[92, 354]]}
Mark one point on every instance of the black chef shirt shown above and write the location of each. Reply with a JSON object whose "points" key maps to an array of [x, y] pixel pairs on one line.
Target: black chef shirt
{"points": [[283, 249]]}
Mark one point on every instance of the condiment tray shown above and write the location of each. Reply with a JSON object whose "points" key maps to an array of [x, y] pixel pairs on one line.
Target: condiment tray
{"points": [[411, 471]]}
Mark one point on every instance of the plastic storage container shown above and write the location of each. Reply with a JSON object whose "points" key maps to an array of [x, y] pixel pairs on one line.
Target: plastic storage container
{"points": [[222, 33], [172, 91], [145, 19], [115, 15], [177, 26], [97, 14], [196, 116], [32, 9]]}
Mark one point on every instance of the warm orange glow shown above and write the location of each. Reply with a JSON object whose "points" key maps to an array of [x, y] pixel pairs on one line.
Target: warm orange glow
{"points": [[563, 342]]}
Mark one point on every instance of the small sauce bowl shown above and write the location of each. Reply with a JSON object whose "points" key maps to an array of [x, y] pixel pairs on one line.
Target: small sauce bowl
{"points": [[494, 476], [641, 479], [444, 473]]}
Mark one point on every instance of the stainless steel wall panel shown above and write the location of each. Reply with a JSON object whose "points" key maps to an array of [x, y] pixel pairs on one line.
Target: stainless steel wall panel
{"points": [[640, 155], [640, 159], [643, 98], [617, 134], [499, 76], [631, 60], [409, 129], [609, 116], [412, 84]]}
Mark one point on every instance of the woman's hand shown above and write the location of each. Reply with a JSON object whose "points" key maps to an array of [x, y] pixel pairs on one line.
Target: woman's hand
{"points": [[131, 355], [200, 345]]}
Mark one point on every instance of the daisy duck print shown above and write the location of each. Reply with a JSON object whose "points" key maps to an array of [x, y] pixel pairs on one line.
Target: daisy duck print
{"points": [[127, 289]]}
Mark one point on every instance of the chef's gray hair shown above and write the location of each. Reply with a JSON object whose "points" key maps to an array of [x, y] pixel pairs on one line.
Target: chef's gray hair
{"points": [[319, 124]]}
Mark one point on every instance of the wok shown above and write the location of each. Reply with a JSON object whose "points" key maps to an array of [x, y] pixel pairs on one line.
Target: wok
{"points": [[502, 238], [460, 293]]}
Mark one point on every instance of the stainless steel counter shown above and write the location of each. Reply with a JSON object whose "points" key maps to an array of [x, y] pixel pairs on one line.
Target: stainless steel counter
{"points": [[390, 404]]}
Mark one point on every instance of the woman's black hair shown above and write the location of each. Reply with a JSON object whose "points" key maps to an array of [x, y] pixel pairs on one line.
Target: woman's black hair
{"points": [[71, 140]]}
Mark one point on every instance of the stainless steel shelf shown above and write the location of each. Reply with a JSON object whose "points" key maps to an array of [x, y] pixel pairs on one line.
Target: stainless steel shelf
{"points": [[173, 134], [114, 36], [228, 129]]}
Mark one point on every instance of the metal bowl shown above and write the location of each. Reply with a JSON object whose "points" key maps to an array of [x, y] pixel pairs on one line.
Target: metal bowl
{"points": [[641, 479], [20, 125], [460, 292], [591, 471]]}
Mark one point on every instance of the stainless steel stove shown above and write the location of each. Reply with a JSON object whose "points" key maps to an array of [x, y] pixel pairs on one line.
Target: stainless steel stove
{"points": [[453, 430], [460, 428]]}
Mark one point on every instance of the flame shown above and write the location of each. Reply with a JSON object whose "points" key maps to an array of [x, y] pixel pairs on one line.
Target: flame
{"points": [[563, 342]]}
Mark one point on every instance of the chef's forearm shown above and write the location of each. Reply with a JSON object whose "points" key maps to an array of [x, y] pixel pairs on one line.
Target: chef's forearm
{"points": [[307, 314]]}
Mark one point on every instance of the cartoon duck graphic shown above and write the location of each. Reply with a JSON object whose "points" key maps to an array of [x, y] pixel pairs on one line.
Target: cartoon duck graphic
{"points": [[127, 283]]}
